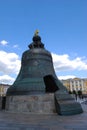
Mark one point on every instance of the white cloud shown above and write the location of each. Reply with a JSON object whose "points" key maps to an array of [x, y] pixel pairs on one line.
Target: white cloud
{"points": [[9, 63], [6, 79], [66, 77], [64, 63], [3, 42], [15, 46]]}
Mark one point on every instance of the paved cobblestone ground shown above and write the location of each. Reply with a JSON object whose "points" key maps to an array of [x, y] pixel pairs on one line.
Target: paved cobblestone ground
{"points": [[18, 121]]}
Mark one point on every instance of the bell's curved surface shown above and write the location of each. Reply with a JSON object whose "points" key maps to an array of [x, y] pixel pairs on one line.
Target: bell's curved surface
{"points": [[37, 73]]}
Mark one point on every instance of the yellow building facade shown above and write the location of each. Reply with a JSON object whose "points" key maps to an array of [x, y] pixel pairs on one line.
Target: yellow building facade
{"points": [[3, 89], [76, 84]]}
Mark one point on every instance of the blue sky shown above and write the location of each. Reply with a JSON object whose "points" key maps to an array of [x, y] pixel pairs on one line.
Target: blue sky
{"points": [[62, 25]]}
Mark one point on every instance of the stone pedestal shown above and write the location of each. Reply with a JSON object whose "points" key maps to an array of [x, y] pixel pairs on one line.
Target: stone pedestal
{"points": [[39, 103]]}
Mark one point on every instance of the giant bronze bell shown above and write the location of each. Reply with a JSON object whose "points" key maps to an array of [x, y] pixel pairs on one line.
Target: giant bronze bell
{"points": [[37, 73], [37, 76]]}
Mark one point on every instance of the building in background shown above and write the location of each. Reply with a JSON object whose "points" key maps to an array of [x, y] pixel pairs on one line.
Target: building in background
{"points": [[3, 89], [76, 84]]}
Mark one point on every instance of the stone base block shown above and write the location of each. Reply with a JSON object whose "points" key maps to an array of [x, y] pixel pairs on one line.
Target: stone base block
{"points": [[39, 103]]}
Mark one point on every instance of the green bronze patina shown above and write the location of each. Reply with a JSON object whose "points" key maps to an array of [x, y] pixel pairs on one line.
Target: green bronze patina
{"points": [[37, 76], [36, 64]]}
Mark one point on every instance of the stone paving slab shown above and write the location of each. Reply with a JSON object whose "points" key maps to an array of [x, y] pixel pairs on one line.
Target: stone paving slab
{"points": [[24, 121]]}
